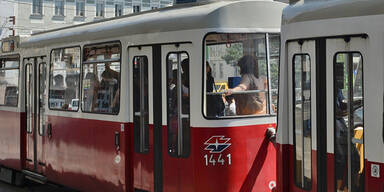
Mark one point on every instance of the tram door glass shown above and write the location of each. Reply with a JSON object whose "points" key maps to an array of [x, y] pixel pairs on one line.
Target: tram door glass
{"points": [[42, 96], [29, 85], [302, 120], [140, 103], [178, 104], [348, 122]]}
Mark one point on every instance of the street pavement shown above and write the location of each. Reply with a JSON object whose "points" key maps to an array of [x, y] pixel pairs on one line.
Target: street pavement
{"points": [[32, 187]]}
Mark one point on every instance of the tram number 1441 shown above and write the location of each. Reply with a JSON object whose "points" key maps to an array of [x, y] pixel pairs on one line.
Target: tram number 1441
{"points": [[217, 159]]}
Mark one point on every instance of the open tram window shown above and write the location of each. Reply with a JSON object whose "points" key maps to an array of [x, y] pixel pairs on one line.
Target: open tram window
{"points": [[140, 104], [9, 81], [237, 74], [302, 123], [64, 78], [178, 104], [101, 78]]}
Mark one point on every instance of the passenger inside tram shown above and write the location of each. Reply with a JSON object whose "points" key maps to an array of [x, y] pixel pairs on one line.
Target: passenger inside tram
{"points": [[242, 63], [252, 103]]}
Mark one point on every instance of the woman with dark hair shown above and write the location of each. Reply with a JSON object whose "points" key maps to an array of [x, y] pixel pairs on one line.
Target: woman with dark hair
{"points": [[249, 103]]}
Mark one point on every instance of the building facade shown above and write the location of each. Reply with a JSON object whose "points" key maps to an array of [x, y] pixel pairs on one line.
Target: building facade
{"points": [[34, 16]]}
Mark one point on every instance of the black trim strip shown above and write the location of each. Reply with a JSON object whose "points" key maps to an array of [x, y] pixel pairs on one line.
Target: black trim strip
{"points": [[157, 119], [364, 36], [321, 114]]}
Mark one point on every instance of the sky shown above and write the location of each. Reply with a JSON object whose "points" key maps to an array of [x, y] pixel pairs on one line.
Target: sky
{"points": [[6, 10]]}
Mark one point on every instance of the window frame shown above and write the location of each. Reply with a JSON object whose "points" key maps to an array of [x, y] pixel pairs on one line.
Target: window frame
{"points": [[81, 77], [308, 188], [50, 79], [267, 60], [185, 154], [16, 56]]}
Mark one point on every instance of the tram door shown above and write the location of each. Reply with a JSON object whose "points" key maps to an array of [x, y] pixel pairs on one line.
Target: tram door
{"points": [[345, 116], [141, 66], [302, 94], [35, 99]]}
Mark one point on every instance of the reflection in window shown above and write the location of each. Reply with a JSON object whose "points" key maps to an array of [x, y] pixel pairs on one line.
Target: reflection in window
{"points": [[101, 78], [9, 81], [236, 64], [64, 78], [140, 104], [302, 121], [178, 104]]}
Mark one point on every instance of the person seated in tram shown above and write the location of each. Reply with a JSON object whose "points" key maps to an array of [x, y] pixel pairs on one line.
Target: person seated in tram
{"points": [[90, 91], [215, 104], [249, 103], [109, 91]]}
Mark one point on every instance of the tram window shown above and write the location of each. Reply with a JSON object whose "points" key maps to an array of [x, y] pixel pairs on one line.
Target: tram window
{"points": [[9, 81], [302, 121], [178, 103], [64, 78], [140, 104], [101, 78], [239, 61], [274, 59]]}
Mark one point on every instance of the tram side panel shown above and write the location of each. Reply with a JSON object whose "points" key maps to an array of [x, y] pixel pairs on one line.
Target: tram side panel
{"points": [[81, 154], [10, 141]]}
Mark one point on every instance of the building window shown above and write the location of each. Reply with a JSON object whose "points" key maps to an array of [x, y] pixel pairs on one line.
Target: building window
{"points": [[80, 8], [136, 8], [118, 9], [59, 8], [100, 4], [37, 7], [64, 79]]}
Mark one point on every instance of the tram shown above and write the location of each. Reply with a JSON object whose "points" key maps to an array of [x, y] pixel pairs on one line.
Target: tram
{"points": [[140, 102], [330, 123]]}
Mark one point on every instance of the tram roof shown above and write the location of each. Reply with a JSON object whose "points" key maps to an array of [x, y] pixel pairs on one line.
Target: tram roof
{"points": [[307, 10], [209, 14]]}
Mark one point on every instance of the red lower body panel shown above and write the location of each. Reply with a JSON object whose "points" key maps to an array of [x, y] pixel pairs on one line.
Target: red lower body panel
{"points": [[10, 138], [285, 172]]}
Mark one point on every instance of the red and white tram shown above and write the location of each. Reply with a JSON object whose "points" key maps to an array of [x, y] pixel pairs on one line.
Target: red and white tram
{"points": [[330, 122], [136, 103]]}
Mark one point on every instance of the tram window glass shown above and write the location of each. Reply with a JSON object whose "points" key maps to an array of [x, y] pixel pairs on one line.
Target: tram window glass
{"points": [[178, 104], [236, 82], [349, 120], [274, 59], [64, 78], [9, 81], [302, 121], [140, 104], [101, 78]]}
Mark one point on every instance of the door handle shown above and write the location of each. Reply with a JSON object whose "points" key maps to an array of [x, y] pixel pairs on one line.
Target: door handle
{"points": [[117, 141]]}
